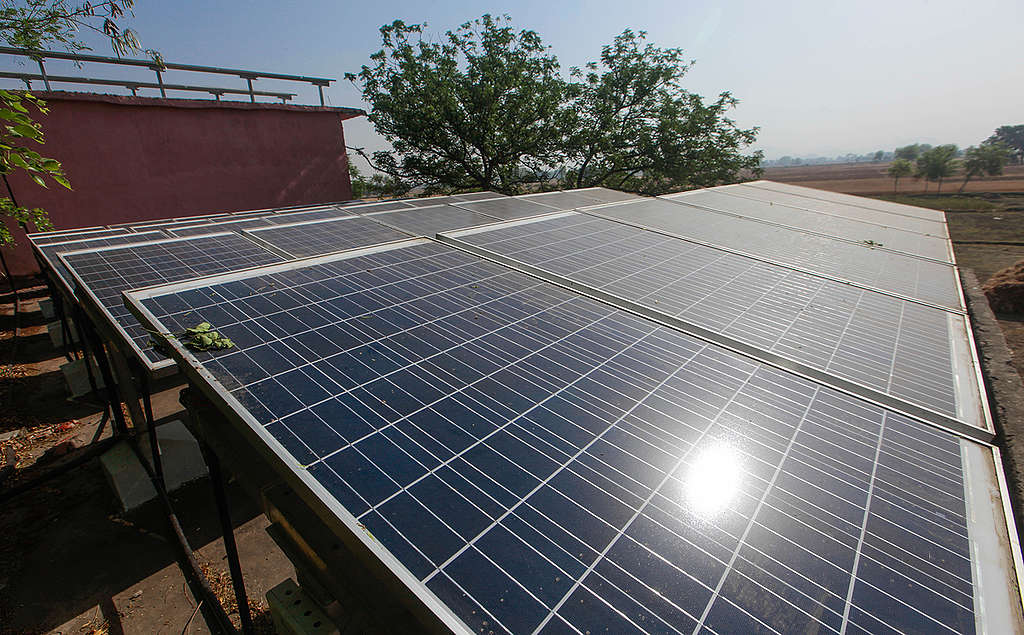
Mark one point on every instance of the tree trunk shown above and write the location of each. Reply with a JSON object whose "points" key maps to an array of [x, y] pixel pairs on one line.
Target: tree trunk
{"points": [[939, 190], [964, 184], [895, 184]]}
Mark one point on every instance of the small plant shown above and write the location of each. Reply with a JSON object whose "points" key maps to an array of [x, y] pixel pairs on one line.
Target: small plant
{"points": [[871, 243], [200, 337]]}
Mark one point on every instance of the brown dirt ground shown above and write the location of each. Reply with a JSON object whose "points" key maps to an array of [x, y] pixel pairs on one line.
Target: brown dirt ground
{"points": [[870, 178]]}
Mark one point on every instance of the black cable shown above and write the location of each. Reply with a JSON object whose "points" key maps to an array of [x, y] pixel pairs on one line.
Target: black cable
{"points": [[216, 618]]}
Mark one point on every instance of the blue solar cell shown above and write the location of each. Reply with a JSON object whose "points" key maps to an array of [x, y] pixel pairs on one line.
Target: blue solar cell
{"points": [[877, 340], [49, 251], [108, 272], [325, 236], [541, 461]]}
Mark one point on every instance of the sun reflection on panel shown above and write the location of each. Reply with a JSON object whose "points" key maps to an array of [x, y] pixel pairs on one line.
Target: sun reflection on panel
{"points": [[713, 480]]}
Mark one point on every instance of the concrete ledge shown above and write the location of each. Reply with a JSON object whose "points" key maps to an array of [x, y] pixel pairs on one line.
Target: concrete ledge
{"points": [[1005, 391]]}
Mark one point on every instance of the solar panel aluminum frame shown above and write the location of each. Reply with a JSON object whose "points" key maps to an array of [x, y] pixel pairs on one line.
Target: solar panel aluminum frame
{"points": [[993, 559], [680, 198], [108, 326], [983, 434], [434, 614], [50, 270]]}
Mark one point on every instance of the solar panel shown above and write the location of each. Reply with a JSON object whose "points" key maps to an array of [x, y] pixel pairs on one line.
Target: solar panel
{"points": [[45, 238], [49, 252], [935, 226], [541, 462], [315, 213], [605, 195], [860, 201], [507, 208], [221, 226], [430, 201], [105, 273], [315, 237], [478, 196], [888, 344], [921, 280], [427, 221], [563, 200], [173, 224], [933, 246]]}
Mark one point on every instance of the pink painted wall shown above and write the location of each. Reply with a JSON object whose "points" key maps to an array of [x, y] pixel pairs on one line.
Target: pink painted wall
{"points": [[135, 158]]}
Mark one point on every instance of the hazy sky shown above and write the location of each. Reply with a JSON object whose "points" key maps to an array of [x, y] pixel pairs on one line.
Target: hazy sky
{"points": [[819, 77]]}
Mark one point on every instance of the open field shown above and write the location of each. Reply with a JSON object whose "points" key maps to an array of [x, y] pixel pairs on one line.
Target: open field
{"points": [[870, 178]]}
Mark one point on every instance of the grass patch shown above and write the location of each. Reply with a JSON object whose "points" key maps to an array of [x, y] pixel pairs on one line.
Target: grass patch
{"points": [[951, 202]]}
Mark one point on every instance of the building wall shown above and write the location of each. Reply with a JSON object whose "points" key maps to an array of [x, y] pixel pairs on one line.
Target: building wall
{"points": [[132, 159]]}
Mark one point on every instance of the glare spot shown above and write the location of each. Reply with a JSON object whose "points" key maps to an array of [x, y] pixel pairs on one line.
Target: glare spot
{"points": [[713, 480]]}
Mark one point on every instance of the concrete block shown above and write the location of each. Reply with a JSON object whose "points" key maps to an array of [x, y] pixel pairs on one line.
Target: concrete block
{"points": [[46, 306], [295, 613], [57, 333], [181, 458], [77, 377]]}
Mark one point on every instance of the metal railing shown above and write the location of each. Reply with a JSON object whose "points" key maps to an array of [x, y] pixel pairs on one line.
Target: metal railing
{"points": [[158, 68]]}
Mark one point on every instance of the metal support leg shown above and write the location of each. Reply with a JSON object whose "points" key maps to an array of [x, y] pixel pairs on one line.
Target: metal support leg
{"points": [[160, 80], [42, 71], [228, 529], [252, 95], [119, 423], [321, 89], [147, 406]]}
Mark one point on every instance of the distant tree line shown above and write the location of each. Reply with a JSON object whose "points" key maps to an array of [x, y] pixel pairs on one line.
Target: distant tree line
{"points": [[486, 106], [938, 163], [787, 161]]}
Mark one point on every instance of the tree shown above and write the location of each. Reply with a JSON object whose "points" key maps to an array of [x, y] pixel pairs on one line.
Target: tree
{"points": [[937, 164], [1013, 138], [487, 108], [987, 159], [360, 184], [638, 129], [878, 156], [476, 110], [35, 25], [898, 169], [911, 152]]}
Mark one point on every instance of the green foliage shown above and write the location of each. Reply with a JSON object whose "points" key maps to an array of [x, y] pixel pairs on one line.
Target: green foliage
{"points": [[484, 107], [988, 159], [360, 184], [937, 164], [636, 128], [898, 169], [911, 152], [1013, 138], [487, 108], [17, 129], [202, 337], [37, 25]]}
